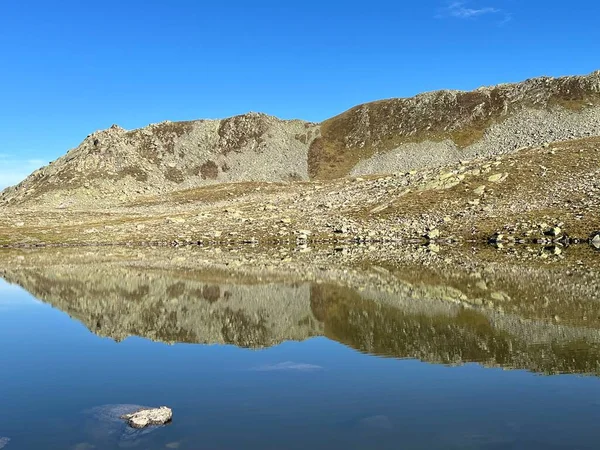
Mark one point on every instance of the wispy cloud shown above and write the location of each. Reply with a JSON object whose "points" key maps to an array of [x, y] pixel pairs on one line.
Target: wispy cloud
{"points": [[35, 162], [14, 170], [287, 366], [465, 10], [462, 11]]}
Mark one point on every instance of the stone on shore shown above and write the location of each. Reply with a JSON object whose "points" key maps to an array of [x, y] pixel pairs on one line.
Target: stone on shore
{"points": [[434, 233], [595, 239]]}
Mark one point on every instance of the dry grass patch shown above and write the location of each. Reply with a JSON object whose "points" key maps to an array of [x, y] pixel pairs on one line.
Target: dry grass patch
{"points": [[462, 117], [540, 184], [212, 193]]}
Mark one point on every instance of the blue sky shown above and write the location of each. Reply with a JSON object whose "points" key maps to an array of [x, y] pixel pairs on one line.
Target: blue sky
{"points": [[71, 67]]}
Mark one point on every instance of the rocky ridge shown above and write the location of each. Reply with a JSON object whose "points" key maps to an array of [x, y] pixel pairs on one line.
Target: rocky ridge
{"points": [[116, 166]]}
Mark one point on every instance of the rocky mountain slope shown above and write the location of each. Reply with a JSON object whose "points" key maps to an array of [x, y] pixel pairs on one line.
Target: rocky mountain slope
{"points": [[546, 193], [114, 166]]}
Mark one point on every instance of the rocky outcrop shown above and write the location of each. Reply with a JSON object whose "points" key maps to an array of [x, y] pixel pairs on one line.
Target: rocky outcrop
{"points": [[116, 166]]}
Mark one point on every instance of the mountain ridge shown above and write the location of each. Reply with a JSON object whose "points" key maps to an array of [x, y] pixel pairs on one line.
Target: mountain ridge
{"points": [[114, 166]]}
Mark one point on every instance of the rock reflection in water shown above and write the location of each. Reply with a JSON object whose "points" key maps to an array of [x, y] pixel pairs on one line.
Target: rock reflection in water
{"points": [[176, 307]]}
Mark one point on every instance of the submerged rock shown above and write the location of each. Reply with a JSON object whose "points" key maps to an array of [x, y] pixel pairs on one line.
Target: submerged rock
{"points": [[4, 441], [106, 426], [146, 417]]}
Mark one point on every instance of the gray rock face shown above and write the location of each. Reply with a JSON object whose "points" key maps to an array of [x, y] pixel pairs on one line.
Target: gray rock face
{"points": [[115, 165], [147, 417], [524, 128]]}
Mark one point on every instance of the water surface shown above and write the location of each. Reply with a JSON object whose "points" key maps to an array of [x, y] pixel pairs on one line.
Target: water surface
{"points": [[286, 365]]}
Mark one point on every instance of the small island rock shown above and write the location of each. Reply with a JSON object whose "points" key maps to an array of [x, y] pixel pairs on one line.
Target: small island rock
{"points": [[146, 417]]}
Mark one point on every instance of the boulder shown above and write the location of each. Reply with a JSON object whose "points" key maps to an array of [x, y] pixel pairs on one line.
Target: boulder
{"points": [[434, 233], [595, 239], [498, 177], [107, 420], [480, 190], [553, 232], [147, 417]]}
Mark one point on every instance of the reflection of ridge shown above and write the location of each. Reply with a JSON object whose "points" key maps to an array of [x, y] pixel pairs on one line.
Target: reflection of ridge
{"points": [[118, 303], [165, 306], [460, 336]]}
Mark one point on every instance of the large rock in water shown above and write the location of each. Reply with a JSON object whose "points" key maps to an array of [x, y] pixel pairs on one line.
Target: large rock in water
{"points": [[146, 417], [4, 441], [105, 427]]}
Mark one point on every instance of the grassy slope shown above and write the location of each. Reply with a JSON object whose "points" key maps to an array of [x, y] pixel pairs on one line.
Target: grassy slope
{"points": [[555, 183], [462, 117]]}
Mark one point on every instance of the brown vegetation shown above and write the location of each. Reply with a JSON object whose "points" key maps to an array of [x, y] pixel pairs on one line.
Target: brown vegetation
{"points": [[209, 170], [175, 175]]}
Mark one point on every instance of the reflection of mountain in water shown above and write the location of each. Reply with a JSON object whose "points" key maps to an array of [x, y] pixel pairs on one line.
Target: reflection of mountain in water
{"points": [[173, 307], [118, 303]]}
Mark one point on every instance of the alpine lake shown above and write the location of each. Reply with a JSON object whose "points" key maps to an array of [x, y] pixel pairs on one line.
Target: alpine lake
{"points": [[433, 359]]}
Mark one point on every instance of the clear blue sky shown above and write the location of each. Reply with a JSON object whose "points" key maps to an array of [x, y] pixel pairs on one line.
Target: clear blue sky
{"points": [[71, 67]]}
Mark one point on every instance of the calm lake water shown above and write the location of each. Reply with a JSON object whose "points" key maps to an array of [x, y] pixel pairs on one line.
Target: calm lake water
{"points": [[288, 366]]}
